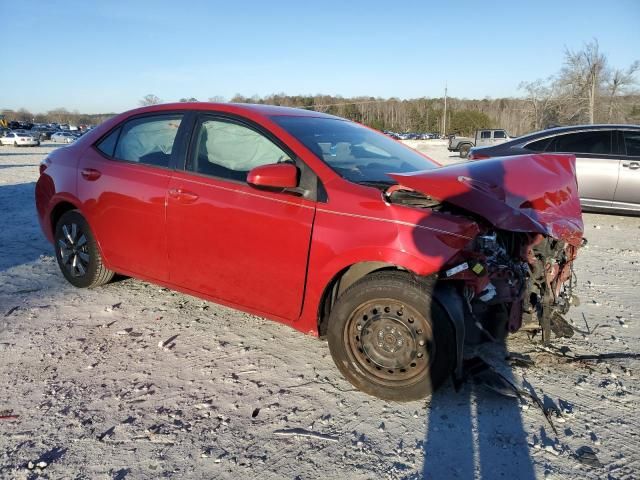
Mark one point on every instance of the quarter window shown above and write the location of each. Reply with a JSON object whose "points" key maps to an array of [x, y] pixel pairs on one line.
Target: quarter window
{"points": [[539, 146], [148, 140], [598, 142], [229, 150], [108, 144], [632, 143]]}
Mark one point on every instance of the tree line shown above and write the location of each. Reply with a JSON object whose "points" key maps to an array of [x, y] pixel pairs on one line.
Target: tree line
{"points": [[586, 89]]}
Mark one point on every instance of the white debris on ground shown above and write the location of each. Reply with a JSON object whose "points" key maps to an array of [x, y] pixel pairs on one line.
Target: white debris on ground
{"points": [[135, 381]]}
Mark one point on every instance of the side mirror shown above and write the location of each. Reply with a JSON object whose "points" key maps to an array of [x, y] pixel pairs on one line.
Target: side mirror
{"points": [[275, 175]]}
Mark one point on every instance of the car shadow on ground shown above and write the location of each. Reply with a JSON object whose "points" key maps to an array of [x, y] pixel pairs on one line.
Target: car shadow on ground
{"points": [[32, 165], [8, 154], [475, 433], [21, 240]]}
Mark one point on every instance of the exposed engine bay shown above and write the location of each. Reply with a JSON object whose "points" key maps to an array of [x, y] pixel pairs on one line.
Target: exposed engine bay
{"points": [[511, 280]]}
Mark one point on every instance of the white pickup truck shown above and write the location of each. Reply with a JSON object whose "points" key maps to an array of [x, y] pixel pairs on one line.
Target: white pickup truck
{"points": [[484, 138]]}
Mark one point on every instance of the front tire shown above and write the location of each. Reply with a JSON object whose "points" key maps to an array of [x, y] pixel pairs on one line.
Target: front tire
{"points": [[390, 339], [464, 150], [77, 252]]}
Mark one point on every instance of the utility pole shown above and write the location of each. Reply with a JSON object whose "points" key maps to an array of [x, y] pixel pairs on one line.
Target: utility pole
{"points": [[444, 119]]}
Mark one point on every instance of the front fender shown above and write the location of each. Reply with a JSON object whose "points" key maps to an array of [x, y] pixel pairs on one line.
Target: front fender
{"points": [[340, 241]]}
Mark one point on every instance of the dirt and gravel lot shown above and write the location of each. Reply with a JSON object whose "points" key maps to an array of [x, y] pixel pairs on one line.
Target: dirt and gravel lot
{"points": [[135, 381]]}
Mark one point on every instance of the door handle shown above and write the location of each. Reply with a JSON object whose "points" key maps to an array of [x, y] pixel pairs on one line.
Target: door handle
{"points": [[632, 165], [90, 174], [183, 195]]}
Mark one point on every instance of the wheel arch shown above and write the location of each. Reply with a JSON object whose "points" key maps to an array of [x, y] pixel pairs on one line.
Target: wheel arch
{"points": [[58, 210], [343, 280]]}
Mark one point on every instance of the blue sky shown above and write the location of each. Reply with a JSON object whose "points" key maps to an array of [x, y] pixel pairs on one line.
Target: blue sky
{"points": [[103, 56]]}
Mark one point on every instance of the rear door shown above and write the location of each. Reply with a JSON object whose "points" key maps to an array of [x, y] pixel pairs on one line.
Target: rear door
{"points": [[597, 164], [628, 192], [122, 184], [244, 246], [499, 136]]}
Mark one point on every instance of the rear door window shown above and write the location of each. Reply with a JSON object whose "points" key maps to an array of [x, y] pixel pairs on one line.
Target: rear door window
{"points": [[147, 140], [595, 142], [485, 134], [632, 143]]}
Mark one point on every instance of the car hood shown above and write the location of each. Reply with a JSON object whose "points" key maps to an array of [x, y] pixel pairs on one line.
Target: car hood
{"points": [[522, 193]]}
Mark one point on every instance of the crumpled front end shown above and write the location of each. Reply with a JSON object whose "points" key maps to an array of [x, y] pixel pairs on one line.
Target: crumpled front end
{"points": [[509, 280], [519, 269]]}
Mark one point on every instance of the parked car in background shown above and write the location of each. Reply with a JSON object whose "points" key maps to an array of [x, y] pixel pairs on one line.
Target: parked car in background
{"points": [[44, 132], [607, 161], [15, 125], [483, 138], [19, 140], [32, 133], [322, 224], [63, 137]]}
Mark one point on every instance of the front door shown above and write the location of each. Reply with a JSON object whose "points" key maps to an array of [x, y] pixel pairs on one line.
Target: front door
{"points": [[245, 246], [122, 184]]}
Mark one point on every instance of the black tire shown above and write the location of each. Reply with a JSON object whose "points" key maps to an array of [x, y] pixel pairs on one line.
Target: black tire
{"points": [[464, 150], [15, 144], [374, 334], [77, 252]]}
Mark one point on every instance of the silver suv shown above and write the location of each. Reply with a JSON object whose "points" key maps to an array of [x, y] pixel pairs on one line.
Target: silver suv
{"points": [[486, 137]]}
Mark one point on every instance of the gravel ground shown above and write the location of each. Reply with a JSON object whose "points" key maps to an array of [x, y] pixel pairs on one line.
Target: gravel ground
{"points": [[135, 381]]}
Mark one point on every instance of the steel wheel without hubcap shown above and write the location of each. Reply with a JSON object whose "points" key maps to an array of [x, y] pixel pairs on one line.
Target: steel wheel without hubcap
{"points": [[74, 251], [390, 341]]}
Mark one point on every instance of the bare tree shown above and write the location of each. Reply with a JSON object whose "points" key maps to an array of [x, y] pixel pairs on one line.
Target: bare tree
{"points": [[619, 82], [59, 115], [541, 96], [217, 99], [149, 99], [24, 115], [583, 74]]}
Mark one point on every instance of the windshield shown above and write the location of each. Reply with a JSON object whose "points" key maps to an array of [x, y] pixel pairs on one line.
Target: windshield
{"points": [[355, 152]]}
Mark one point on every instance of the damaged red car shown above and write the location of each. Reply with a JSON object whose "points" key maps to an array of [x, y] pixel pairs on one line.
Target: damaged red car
{"points": [[324, 225]]}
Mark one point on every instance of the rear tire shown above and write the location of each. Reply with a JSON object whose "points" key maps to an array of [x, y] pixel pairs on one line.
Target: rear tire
{"points": [[77, 252], [389, 339]]}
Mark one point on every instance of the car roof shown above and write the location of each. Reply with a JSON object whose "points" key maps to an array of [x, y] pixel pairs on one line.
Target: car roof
{"points": [[260, 109], [574, 128]]}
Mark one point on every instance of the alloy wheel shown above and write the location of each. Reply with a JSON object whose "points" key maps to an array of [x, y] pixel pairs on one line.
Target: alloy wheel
{"points": [[74, 250]]}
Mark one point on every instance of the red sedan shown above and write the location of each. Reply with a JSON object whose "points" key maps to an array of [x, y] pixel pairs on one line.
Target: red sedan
{"points": [[322, 224]]}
